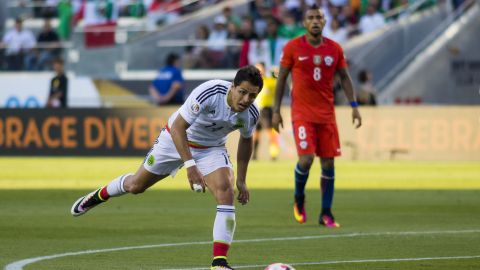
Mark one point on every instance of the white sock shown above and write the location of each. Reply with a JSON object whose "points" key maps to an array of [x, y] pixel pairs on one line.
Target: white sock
{"points": [[115, 188], [224, 226]]}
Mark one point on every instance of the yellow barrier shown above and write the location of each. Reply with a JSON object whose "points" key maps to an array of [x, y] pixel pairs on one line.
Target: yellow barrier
{"points": [[399, 133]]}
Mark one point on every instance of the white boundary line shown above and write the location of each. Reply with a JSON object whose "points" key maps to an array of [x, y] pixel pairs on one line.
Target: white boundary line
{"points": [[18, 265], [352, 261]]}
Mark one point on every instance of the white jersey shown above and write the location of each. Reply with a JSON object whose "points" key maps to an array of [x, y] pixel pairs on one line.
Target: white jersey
{"points": [[210, 117]]}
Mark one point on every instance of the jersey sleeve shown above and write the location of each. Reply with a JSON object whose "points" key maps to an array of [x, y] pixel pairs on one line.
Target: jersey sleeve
{"points": [[253, 115], [287, 59], [191, 109], [342, 61]]}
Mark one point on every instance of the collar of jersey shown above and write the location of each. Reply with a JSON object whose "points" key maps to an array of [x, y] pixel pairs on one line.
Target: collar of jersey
{"points": [[226, 98], [232, 112]]}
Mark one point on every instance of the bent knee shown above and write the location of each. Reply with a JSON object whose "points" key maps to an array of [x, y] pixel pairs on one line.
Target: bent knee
{"points": [[227, 190], [134, 188], [306, 161]]}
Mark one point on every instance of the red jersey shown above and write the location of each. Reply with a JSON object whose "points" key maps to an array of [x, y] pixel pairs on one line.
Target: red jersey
{"points": [[313, 71]]}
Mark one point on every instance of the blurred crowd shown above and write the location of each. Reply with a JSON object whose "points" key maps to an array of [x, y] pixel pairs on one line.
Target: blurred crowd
{"points": [[259, 36], [24, 50], [232, 40], [97, 11]]}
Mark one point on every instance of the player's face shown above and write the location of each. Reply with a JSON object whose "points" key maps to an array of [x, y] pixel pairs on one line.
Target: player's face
{"points": [[314, 21], [242, 96]]}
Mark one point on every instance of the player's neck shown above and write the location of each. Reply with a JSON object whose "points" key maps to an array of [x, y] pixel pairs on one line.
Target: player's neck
{"points": [[314, 40], [229, 97]]}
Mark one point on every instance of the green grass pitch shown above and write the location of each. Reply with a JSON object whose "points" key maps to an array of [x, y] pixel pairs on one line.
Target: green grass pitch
{"points": [[394, 215]]}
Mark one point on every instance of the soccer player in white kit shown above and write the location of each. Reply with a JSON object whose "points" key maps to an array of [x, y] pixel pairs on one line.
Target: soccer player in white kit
{"points": [[195, 138]]}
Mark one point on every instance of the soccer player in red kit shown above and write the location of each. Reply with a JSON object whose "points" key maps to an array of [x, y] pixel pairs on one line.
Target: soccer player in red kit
{"points": [[313, 61]]}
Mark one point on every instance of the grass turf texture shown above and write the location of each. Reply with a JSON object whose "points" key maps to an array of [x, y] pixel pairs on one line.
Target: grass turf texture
{"points": [[36, 195]]}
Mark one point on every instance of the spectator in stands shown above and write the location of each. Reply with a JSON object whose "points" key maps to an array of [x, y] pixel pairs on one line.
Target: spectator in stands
{"points": [[18, 42], [247, 31], [218, 35], [232, 30], [349, 19], [290, 29], [217, 41], [231, 17], [294, 8], [276, 43], [233, 52], [199, 53], [259, 52], [167, 87], [371, 21], [58, 86], [189, 60], [335, 32], [260, 23], [266, 50], [48, 48], [366, 93], [246, 34]]}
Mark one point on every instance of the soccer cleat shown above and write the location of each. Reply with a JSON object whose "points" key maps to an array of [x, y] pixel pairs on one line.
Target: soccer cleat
{"points": [[220, 264], [328, 221], [85, 203], [299, 212]]}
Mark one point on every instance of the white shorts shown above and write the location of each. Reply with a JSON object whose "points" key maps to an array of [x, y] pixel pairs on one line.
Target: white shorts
{"points": [[163, 158]]}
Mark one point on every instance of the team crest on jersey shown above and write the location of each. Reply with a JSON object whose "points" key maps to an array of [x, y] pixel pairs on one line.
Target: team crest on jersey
{"points": [[239, 124], [317, 59], [328, 60], [195, 108], [303, 144], [150, 160]]}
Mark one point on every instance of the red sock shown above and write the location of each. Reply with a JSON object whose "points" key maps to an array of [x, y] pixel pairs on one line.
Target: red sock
{"points": [[104, 194], [220, 250]]}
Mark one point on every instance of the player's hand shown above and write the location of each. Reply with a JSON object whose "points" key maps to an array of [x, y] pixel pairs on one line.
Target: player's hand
{"points": [[243, 193], [195, 177], [356, 117], [277, 121]]}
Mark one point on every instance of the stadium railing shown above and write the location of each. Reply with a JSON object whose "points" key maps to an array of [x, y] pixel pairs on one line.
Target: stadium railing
{"points": [[435, 33]]}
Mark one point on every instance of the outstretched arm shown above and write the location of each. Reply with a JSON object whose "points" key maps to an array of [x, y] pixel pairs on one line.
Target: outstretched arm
{"points": [[245, 146], [277, 120], [179, 136], [347, 86]]}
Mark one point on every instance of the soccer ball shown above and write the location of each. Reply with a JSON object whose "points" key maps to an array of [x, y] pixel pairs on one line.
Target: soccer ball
{"points": [[279, 266]]}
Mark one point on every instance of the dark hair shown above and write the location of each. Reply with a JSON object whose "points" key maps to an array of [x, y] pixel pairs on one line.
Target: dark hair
{"points": [[312, 7], [171, 58], [363, 76], [250, 74], [58, 60]]}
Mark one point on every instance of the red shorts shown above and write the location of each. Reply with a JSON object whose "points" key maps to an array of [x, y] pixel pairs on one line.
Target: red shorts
{"points": [[319, 139]]}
